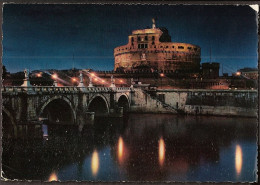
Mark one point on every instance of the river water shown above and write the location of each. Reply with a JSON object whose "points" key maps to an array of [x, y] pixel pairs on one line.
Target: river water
{"points": [[139, 147]]}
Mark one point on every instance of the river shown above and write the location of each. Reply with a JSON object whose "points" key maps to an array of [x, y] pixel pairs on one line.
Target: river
{"points": [[139, 147]]}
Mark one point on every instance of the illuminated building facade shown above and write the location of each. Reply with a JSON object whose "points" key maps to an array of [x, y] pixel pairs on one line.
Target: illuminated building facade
{"points": [[152, 49]]}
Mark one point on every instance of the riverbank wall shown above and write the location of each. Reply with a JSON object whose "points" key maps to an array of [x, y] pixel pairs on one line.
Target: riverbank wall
{"points": [[198, 102]]}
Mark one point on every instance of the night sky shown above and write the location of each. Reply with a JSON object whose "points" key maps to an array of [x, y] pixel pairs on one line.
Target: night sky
{"points": [[48, 36]]}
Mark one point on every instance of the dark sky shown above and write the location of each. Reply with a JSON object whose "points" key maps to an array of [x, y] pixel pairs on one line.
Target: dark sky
{"points": [[47, 36]]}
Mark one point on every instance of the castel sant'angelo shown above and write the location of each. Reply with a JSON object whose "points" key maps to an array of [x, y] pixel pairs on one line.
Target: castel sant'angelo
{"points": [[152, 49]]}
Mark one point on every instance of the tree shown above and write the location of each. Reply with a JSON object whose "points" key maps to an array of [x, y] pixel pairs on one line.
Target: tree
{"points": [[4, 72]]}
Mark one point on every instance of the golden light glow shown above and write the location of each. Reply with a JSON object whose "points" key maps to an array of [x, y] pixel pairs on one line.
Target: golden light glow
{"points": [[238, 73], [39, 75], [54, 76], [239, 159], [120, 149], [94, 163], [103, 81], [162, 75], [95, 79], [121, 81], [74, 79], [92, 74], [53, 177], [161, 151]]}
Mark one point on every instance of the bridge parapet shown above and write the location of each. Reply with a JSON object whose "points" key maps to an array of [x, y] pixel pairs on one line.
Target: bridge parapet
{"points": [[123, 89], [37, 89], [98, 89], [66, 89]]}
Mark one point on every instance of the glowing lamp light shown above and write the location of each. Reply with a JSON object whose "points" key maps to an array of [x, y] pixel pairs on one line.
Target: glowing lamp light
{"points": [[162, 75], [238, 73], [39, 75], [121, 81], [95, 79], [54, 76], [103, 81], [74, 79], [92, 74]]}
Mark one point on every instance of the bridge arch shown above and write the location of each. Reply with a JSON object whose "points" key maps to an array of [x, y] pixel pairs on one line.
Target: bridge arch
{"points": [[58, 109], [9, 126], [98, 104], [123, 101]]}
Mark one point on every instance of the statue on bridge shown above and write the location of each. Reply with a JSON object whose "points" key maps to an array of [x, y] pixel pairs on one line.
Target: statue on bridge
{"points": [[26, 73], [81, 84], [90, 82], [132, 82], [112, 82], [26, 81], [80, 76]]}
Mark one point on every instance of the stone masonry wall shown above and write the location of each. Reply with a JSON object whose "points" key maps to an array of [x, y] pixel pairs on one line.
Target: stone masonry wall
{"points": [[143, 102], [213, 102]]}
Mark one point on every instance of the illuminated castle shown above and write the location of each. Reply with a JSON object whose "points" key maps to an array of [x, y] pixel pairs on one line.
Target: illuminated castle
{"points": [[152, 49]]}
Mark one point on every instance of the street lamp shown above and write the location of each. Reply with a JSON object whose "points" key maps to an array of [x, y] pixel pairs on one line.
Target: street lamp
{"points": [[238, 73], [54, 76], [74, 80], [39, 75], [161, 75]]}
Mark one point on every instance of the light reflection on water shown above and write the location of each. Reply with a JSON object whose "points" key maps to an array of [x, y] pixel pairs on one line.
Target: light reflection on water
{"points": [[95, 163], [161, 151], [45, 130], [142, 148], [53, 177], [120, 152], [239, 159]]}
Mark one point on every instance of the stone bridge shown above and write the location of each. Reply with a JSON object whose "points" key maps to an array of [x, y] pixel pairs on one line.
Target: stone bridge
{"points": [[24, 108], [66, 105]]}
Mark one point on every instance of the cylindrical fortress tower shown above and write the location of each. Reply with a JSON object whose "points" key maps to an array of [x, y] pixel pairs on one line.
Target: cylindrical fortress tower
{"points": [[152, 49]]}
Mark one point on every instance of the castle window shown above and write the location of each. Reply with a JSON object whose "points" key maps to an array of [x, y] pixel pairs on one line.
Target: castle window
{"points": [[189, 48], [139, 38], [154, 46], [132, 39], [161, 46], [172, 46], [152, 43], [145, 46], [126, 48], [166, 46], [180, 47], [142, 45], [146, 38], [195, 49], [153, 38], [139, 46]]}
